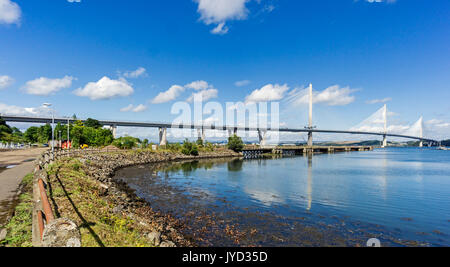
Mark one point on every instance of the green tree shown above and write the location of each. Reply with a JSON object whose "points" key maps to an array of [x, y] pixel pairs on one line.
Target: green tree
{"points": [[92, 123], [189, 148], [103, 137], [76, 135], [235, 143], [5, 130], [32, 134], [145, 143], [44, 134], [200, 142], [126, 142]]}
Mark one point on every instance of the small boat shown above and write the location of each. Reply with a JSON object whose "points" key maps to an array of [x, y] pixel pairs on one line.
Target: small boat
{"points": [[443, 148]]}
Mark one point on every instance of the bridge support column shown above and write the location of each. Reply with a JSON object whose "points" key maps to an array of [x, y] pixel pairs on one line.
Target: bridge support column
{"points": [[201, 135], [113, 129], [384, 141], [262, 137], [421, 143], [162, 136], [310, 139], [232, 132]]}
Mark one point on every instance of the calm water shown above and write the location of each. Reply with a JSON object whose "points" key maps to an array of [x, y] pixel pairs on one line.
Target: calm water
{"points": [[398, 195]]}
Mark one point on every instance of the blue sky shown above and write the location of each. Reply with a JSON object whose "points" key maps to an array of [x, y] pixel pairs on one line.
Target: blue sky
{"points": [[368, 52]]}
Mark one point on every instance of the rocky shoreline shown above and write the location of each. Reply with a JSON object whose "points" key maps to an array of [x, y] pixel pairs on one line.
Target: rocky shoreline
{"points": [[162, 229]]}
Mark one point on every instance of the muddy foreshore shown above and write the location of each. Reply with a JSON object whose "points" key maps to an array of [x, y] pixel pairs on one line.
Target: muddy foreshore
{"points": [[102, 168]]}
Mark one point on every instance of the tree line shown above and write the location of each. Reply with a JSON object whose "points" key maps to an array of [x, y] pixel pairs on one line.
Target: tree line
{"points": [[92, 133]]}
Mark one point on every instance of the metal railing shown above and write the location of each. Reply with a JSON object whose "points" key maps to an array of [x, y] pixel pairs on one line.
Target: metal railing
{"points": [[42, 211]]}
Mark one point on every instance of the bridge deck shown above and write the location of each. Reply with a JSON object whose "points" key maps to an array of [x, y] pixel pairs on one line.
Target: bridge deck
{"points": [[207, 127]]}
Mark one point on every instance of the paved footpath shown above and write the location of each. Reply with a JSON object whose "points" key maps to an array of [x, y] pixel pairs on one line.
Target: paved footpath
{"points": [[10, 178]]}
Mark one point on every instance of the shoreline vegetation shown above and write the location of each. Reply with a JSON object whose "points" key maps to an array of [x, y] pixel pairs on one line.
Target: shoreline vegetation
{"points": [[108, 213]]}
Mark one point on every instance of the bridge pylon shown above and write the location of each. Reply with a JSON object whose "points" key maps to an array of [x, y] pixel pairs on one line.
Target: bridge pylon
{"points": [[162, 136], [201, 134], [310, 117], [232, 131], [113, 129], [385, 143], [421, 131], [262, 137]]}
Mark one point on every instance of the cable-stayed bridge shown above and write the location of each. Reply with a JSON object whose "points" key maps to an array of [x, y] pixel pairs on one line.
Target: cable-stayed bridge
{"points": [[375, 125]]}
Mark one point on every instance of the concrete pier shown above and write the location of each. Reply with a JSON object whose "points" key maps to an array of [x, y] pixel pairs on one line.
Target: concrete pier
{"points": [[162, 136]]}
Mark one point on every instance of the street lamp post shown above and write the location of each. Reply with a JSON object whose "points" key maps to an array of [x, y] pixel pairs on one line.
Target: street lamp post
{"points": [[68, 134], [60, 140], [48, 105]]}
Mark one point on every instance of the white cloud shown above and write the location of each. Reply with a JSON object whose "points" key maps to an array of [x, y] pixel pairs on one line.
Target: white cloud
{"points": [[269, 92], [127, 108], [437, 123], [45, 86], [220, 29], [380, 1], [136, 74], [203, 95], [168, 95], [205, 92], [332, 96], [220, 11], [140, 108], [9, 12], [377, 101], [5, 81], [437, 129], [242, 83], [23, 111], [105, 88], [198, 85], [203, 89]]}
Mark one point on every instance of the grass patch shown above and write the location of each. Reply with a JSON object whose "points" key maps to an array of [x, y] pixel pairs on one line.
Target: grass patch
{"points": [[76, 196], [19, 227]]}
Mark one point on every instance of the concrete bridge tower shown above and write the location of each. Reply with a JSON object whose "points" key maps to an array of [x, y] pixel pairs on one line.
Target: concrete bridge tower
{"points": [[262, 137], [385, 127], [162, 136], [310, 124], [232, 131], [421, 131], [201, 135], [113, 129]]}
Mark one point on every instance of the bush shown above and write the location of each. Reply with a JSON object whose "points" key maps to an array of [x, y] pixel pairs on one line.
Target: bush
{"points": [[189, 148], [235, 143], [125, 142]]}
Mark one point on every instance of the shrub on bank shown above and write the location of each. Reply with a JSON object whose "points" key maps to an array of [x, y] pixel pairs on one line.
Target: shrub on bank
{"points": [[189, 148], [235, 143], [127, 142]]}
